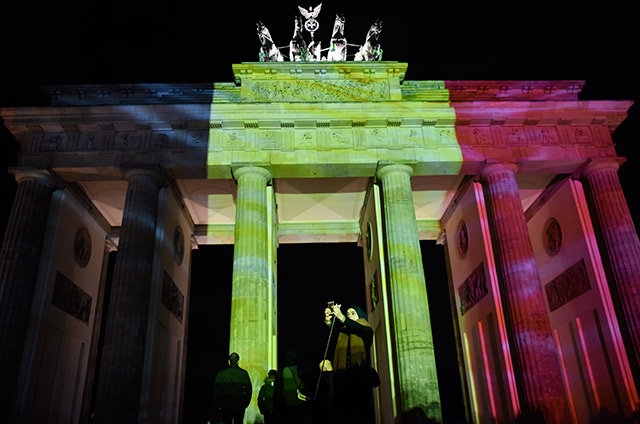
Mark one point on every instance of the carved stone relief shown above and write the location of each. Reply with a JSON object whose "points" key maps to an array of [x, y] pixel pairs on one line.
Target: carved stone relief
{"points": [[552, 237], [198, 139], [334, 90], [546, 135], [342, 134], [446, 136], [462, 239], [178, 245], [409, 137], [567, 286], [582, 135], [71, 299], [160, 140], [514, 136], [90, 142], [172, 298], [54, 142], [479, 135], [269, 139], [82, 247], [129, 140], [305, 138], [473, 289]]}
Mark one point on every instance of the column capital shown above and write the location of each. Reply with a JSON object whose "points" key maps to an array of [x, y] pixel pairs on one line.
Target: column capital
{"points": [[598, 164], [396, 167], [134, 172], [252, 170], [23, 175], [491, 168]]}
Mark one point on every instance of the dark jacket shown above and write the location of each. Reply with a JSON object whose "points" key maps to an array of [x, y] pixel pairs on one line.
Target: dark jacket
{"points": [[232, 388], [265, 396]]}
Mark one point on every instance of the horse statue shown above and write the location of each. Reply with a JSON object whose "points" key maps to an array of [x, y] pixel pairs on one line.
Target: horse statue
{"points": [[315, 51], [371, 50], [298, 47], [268, 51], [338, 49]]}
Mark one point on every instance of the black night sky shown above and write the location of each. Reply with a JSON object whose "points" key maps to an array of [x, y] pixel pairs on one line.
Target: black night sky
{"points": [[85, 42]]}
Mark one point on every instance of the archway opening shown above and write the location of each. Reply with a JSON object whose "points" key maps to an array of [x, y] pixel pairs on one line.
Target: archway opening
{"points": [[309, 275]]}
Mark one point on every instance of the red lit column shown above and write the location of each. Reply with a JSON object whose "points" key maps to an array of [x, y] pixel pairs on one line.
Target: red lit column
{"points": [[620, 241], [538, 374], [120, 377], [19, 260]]}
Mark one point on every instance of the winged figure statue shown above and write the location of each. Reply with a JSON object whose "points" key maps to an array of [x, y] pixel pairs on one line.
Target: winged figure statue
{"points": [[312, 13]]}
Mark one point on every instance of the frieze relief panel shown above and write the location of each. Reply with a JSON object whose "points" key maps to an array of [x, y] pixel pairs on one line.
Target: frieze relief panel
{"points": [[91, 141], [473, 289], [128, 140], [320, 91], [322, 135], [71, 299], [567, 286], [305, 138], [407, 137], [55, 142], [197, 139]]}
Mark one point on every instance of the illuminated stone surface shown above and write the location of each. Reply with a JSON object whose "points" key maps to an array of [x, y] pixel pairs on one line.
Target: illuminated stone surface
{"points": [[123, 354], [620, 241], [249, 329], [417, 375], [321, 121], [18, 271], [537, 370]]}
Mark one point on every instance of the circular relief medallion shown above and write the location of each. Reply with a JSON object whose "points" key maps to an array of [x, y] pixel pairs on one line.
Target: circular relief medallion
{"points": [[369, 240], [462, 238], [374, 291], [82, 247], [552, 237], [178, 245]]}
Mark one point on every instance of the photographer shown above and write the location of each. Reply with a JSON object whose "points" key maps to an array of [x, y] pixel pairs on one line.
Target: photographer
{"points": [[352, 393]]}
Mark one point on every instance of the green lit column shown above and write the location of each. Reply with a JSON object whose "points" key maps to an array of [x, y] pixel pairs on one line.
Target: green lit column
{"points": [[418, 381], [250, 335]]}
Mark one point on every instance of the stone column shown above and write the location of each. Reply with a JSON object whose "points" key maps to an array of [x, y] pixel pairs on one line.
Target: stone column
{"points": [[249, 329], [418, 381], [120, 377], [621, 242], [19, 261], [536, 363]]}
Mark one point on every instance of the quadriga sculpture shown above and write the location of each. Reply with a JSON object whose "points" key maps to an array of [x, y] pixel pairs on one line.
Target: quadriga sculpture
{"points": [[268, 51], [371, 49]]}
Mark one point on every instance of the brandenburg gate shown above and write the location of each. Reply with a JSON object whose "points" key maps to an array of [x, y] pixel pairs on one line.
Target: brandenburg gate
{"points": [[516, 179]]}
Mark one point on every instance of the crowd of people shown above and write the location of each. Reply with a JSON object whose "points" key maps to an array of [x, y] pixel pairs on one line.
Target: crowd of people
{"points": [[339, 390]]}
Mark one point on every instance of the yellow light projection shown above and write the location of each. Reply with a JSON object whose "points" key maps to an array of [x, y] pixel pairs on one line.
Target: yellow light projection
{"points": [[322, 120]]}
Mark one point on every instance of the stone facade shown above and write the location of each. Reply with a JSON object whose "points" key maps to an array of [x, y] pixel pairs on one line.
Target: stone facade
{"points": [[163, 168]]}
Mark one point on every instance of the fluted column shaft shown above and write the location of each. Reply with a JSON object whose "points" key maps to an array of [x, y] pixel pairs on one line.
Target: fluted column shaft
{"points": [[19, 260], [537, 368], [418, 382], [620, 241], [120, 378], [249, 328]]}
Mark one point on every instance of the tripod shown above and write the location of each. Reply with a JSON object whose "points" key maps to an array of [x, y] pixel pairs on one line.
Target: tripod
{"points": [[333, 321]]}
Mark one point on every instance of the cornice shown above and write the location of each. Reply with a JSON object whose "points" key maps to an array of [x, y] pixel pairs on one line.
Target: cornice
{"points": [[391, 114]]}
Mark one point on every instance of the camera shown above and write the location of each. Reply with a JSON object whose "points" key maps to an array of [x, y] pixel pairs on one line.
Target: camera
{"points": [[331, 304]]}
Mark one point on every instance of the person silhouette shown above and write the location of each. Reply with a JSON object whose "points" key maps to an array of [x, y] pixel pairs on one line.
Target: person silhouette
{"points": [[232, 391]]}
